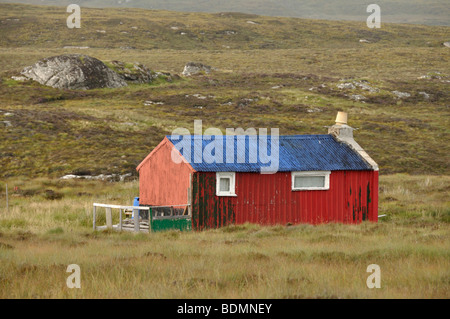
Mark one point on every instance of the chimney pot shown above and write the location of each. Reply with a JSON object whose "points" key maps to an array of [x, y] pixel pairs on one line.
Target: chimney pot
{"points": [[341, 118]]}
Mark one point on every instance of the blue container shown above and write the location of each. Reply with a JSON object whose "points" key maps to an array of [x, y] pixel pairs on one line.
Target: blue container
{"points": [[135, 203]]}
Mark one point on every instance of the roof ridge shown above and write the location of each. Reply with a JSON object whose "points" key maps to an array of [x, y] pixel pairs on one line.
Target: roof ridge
{"points": [[304, 136]]}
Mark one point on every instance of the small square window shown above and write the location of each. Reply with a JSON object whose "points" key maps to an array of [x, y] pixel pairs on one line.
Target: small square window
{"points": [[315, 180], [225, 184]]}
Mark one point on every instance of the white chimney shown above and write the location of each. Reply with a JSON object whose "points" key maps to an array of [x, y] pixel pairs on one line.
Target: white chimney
{"points": [[344, 134]]}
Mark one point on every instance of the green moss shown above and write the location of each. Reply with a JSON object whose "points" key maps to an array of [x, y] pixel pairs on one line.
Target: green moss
{"points": [[10, 82], [13, 223], [54, 231]]}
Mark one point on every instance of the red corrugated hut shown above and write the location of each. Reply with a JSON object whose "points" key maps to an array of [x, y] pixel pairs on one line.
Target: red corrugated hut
{"points": [[229, 180]]}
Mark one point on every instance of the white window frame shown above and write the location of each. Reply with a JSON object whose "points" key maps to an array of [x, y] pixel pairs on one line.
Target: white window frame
{"points": [[232, 177], [325, 174]]}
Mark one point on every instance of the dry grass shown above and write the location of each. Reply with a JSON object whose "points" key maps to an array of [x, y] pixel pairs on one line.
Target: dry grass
{"points": [[327, 261], [40, 238]]}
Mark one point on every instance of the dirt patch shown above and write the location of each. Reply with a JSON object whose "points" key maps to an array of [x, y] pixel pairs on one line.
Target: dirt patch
{"points": [[23, 236]]}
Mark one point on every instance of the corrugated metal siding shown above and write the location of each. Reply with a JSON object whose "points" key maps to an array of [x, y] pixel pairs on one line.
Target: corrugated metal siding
{"points": [[267, 199], [209, 210], [296, 153]]}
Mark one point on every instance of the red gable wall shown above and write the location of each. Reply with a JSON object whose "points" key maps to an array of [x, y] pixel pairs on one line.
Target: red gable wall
{"points": [[161, 181]]}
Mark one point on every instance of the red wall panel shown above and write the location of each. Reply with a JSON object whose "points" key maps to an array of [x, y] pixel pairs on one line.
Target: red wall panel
{"points": [[268, 199]]}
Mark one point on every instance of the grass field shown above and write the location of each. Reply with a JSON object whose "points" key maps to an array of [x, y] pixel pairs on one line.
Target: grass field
{"points": [[281, 73], [39, 238]]}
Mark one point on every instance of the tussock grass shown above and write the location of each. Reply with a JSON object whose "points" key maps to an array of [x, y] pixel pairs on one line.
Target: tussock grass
{"points": [[39, 238]]}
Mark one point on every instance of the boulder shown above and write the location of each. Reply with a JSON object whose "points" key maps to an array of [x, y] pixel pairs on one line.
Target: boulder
{"points": [[19, 78], [357, 97], [73, 71], [401, 95], [363, 85], [425, 95], [135, 72], [193, 68], [348, 85]]}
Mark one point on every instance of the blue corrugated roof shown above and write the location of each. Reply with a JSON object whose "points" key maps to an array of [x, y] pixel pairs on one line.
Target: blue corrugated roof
{"points": [[295, 153]]}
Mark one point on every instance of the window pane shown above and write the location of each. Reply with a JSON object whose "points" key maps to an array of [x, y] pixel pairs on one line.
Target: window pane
{"points": [[224, 184], [309, 181]]}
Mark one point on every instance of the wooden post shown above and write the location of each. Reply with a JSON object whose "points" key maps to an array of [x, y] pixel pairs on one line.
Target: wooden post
{"points": [[136, 220], [95, 208], [120, 219], [108, 218], [150, 220]]}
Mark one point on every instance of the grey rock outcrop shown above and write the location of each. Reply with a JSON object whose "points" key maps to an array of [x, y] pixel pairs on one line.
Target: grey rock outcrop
{"points": [[101, 177], [425, 95], [193, 68], [19, 78], [401, 95], [135, 73], [348, 85], [357, 97], [353, 85], [73, 71], [363, 85]]}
